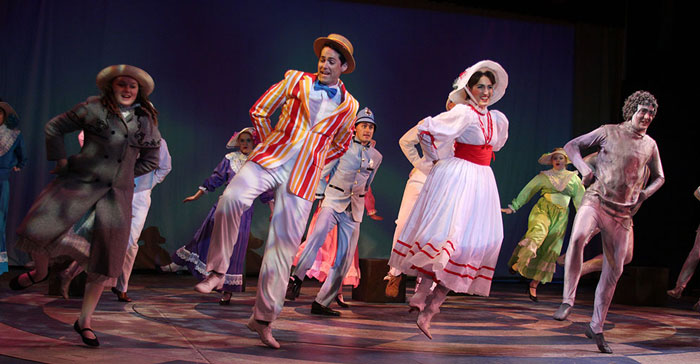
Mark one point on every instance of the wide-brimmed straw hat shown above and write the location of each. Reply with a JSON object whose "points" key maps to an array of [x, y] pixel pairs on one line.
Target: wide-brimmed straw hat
{"points": [[343, 45], [454, 87], [499, 89], [7, 109], [142, 77], [233, 142], [546, 158]]}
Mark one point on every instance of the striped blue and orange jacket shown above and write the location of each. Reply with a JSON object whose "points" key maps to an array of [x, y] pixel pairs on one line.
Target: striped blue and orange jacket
{"points": [[317, 144]]}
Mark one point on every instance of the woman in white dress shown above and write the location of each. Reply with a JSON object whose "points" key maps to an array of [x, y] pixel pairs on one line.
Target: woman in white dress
{"points": [[454, 233]]}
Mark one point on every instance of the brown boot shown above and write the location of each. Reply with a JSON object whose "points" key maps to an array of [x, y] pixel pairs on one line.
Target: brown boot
{"points": [[392, 286]]}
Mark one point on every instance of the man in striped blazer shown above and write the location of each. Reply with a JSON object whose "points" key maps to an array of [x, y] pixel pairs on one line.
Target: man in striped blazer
{"points": [[314, 128]]}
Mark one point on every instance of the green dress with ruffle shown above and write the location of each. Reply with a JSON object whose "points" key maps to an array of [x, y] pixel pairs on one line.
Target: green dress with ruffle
{"points": [[535, 255]]}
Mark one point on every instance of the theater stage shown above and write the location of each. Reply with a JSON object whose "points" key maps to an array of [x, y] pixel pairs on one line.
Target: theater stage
{"points": [[170, 323]]}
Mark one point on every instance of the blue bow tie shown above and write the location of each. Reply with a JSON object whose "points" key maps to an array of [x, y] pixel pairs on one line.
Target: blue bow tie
{"points": [[330, 91]]}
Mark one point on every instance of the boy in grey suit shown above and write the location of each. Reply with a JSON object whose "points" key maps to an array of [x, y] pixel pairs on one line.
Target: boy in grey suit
{"points": [[343, 204]]}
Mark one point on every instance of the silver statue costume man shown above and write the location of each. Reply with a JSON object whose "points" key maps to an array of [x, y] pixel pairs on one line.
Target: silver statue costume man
{"points": [[627, 156]]}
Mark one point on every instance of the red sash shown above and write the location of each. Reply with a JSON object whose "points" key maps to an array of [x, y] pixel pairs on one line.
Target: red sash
{"points": [[478, 154]]}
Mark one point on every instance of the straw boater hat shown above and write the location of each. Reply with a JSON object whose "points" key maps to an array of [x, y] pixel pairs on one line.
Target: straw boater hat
{"points": [[546, 158], [7, 109], [342, 43], [233, 142], [142, 77], [499, 89]]}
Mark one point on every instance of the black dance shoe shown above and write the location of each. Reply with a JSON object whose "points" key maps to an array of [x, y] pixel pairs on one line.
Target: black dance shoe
{"points": [[532, 298], [319, 309], [225, 299], [340, 302], [599, 340], [293, 288], [15, 286], [89, 342]]}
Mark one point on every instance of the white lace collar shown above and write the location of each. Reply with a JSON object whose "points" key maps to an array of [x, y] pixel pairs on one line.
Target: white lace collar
{"points": [[559, 179], [236, 160]]}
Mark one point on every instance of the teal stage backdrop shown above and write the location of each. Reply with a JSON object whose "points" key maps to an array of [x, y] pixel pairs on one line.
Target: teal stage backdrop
{"points": [[212, 59]]}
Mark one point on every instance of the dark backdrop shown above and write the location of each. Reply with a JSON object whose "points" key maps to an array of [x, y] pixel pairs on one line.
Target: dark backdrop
{"points": [[212, 59]]}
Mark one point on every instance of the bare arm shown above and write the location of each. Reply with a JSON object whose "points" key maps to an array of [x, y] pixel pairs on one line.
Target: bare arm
{"points": [[194, 197]]}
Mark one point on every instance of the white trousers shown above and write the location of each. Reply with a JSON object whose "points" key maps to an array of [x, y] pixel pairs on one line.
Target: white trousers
{"points": [[348, 234], [617, 236], [286, 230], [140, 205], [410, 194]]}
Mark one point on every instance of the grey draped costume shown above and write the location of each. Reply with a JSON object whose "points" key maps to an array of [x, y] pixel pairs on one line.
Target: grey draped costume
{"points": [[101, 176]]}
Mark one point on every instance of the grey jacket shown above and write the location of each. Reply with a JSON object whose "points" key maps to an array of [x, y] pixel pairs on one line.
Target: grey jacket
{"points": [[349, 179], [101, 175]]}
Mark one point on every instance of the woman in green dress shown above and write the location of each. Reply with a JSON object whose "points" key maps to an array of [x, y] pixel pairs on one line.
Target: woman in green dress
{"points": [[535, 255]]}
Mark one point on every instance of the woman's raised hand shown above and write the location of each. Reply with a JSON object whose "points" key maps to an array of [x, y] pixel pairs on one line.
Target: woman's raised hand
{"points": [[194, 197]]}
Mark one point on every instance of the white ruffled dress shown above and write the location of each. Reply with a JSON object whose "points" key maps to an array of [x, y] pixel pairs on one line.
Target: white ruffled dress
{"points": [[454, 231]]}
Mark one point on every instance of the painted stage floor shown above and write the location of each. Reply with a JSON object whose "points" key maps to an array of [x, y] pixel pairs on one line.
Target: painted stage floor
{"points": [[170, 323]]}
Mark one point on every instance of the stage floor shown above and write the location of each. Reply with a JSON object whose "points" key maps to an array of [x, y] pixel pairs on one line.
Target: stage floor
{"points": [[170, 323]]}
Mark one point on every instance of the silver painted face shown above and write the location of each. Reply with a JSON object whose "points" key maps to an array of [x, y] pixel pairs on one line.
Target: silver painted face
{"points": [[643, 117]]}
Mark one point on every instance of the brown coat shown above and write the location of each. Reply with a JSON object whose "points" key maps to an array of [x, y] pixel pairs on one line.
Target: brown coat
{"points": [[101, 175]]}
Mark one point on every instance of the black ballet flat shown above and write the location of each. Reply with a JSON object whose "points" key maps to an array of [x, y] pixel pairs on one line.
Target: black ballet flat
{"points": [[15, 286], [532, 298], [340, 302], [89, 342], [224, 301]]}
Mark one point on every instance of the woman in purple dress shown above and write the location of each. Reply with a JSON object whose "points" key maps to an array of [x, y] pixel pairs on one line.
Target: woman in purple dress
{"points": [[193, 256]]}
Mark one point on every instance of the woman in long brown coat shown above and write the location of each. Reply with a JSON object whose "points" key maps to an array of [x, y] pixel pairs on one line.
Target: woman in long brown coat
{"points": [[85, 212]]}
